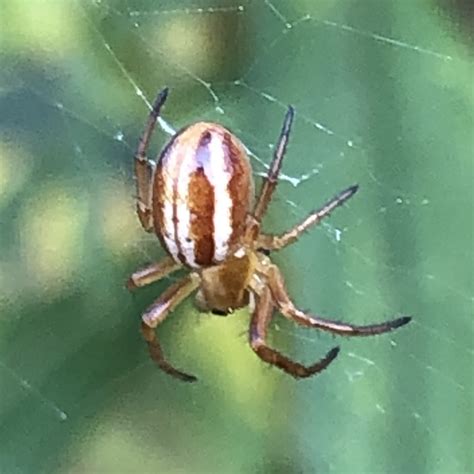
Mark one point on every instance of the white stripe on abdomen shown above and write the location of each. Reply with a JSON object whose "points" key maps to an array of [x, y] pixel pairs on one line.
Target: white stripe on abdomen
{"points": [[219, 177]]}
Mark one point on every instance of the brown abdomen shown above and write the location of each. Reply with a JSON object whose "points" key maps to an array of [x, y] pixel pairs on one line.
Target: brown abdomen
{"points": [[202, 192]]}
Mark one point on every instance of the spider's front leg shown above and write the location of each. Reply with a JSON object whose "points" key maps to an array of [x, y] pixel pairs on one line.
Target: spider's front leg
{"points": [[144, 168], [157, 313], [258, 333], [289, 310]]}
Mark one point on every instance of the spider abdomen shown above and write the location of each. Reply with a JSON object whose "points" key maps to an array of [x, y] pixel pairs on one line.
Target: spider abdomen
{"points": [[202, 192]]}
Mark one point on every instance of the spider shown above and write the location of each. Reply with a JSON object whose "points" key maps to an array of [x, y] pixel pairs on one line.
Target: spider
{"points": [[199, 201]]}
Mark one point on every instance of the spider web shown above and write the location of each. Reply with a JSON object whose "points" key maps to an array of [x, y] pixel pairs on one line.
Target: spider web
{"points": [[383, 98]]}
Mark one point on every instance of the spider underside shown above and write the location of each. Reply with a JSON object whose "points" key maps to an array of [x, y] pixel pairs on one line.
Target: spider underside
{"points": [[228, 289]]}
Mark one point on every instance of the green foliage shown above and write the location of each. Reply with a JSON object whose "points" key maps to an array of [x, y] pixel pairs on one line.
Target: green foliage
{"points": [[383, 94]]}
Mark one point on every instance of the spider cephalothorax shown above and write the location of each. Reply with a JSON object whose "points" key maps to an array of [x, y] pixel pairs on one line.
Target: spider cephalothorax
{"points": [[198, 199]]}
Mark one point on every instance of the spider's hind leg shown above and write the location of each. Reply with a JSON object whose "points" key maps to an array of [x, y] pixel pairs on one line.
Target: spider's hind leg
{"points": [[271, 180], [145, 168]]}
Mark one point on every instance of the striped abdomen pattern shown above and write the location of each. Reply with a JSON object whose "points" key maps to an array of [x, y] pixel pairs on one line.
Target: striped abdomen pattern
{"points": [[202, 192]]}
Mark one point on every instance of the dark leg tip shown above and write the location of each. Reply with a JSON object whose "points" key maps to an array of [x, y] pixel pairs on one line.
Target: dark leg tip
{"points": [[353, 189], [401, 321], [343, 196], [170, 370], [188, 378], [333, 353], [163, 94], [321, 364], [160, 100], [350, 191], [290, 114]]}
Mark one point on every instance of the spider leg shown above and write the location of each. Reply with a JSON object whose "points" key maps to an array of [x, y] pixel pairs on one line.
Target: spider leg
{"points": [[289, 310], [277, 242], [271, 180], [144, 168], [151, 273], [157, 313], [258, 334]]}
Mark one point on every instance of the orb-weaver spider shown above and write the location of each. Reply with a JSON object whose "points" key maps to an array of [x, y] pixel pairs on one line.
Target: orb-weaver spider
{"points": [[198, 199]]}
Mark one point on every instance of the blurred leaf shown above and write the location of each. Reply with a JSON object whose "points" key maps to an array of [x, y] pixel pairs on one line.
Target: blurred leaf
{"points": [[383, 94]]}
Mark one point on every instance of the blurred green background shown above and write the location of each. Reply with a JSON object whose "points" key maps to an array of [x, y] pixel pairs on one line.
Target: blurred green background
{"points": [[384, 97]]}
